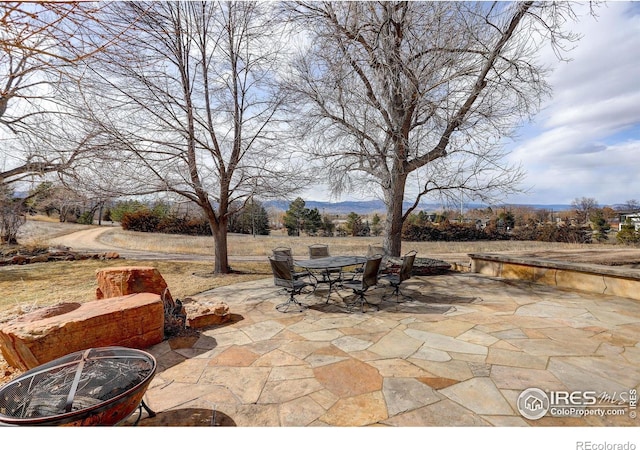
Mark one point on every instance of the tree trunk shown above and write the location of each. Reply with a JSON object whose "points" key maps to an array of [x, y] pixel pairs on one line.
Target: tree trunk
{"points": [[100, 213], [393, 198], [221, 257]]}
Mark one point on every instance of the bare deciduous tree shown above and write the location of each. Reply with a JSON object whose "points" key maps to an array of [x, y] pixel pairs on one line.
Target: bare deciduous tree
{"points": [[396, 90], [188, 101], [40, 43], [12, 216], [583, 208], [630, 205]]}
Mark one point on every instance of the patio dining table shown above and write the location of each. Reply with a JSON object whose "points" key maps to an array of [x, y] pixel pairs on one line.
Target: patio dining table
{"points": [[329, 269]]}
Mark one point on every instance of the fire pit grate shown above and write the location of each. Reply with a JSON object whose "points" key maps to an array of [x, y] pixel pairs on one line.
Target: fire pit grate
{"points": [[98, 386]]}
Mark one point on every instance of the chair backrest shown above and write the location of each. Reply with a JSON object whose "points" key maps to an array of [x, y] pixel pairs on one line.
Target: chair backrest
{"points": [[284, 253], [281, 273], [318, 251], [370, 273], [407, 265]]}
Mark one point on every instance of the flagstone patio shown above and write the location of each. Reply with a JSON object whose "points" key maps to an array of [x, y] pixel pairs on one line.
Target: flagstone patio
{"points": [[460, 354]]}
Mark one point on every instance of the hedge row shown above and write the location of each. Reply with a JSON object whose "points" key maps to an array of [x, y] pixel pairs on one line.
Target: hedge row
{"points": [[451, 232], [461, 232], [553, 233], [149, 221]]}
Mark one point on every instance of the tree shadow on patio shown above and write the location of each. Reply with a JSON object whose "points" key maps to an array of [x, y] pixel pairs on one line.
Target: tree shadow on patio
{"points": [[428, 303], [420, 303]]}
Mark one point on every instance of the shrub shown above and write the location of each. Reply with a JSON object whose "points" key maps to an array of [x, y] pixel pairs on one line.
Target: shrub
{"points": [[172, 225], [628, 234], [552, 233], [153, 221], [447, 231], [122, 208], [86, 218], [198, 227], [12, 217], [450, 232], [142, 220]]}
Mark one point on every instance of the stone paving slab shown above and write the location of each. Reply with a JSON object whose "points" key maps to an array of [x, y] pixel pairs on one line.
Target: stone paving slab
{"points": [[459, 354]]}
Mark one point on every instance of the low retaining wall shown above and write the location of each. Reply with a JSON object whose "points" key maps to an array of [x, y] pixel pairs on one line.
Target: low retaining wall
{"points": [[595, 278]]}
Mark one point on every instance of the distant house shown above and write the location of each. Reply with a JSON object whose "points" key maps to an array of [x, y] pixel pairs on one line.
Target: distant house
{"points": [[631, 216]]}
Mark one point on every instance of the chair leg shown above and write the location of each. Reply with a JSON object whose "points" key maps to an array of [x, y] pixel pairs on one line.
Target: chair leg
{"points": [[292, 303], [360, 301], [397, 293]]}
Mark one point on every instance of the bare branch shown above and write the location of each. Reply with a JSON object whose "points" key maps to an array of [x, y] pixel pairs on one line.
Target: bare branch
{"points": [[387, 89]]}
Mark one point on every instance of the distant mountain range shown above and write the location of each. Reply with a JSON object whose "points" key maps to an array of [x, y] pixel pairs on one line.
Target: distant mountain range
{"points": [[365, 207], [377, 206]]}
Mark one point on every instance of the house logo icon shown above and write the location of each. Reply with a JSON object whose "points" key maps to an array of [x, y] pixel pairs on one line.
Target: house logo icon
{"points": [[533, 403]]}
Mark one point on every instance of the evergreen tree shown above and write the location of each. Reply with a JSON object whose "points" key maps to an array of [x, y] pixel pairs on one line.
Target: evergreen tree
{"points": [[507, 219], [599, 225], [38, 199], [423, 218], [628, 234], [128, 206], [252, 219], [294, 217], [376, 226], [260, 220], [354, 224], [327, 227], [312, 221]]}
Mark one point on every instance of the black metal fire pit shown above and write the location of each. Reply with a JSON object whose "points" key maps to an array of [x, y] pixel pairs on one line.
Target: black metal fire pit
{"points": [[97, 386]]}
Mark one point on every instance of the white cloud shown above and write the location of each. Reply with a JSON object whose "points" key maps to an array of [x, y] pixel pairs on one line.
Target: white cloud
{"points": [[608, 174], [586, 140]]}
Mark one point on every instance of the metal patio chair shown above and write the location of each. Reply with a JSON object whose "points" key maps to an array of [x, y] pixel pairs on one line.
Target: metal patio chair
{"points": [[285, 253], [317, 251], [283, 277], [395, 280], [362, 283]]}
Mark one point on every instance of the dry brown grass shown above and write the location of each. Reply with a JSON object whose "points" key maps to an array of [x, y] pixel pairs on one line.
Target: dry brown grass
{"points": [[33, 286], [245, 245]]}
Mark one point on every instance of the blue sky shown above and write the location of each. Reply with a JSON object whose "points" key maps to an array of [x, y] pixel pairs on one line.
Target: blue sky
{"points": [[585, 141]]}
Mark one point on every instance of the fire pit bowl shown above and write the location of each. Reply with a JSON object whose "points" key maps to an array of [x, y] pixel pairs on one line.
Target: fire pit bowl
{"points": [[97, 386]]}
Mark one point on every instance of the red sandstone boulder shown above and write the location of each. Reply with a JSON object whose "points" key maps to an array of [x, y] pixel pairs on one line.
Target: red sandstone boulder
{"points": [[135, 321], [118, 281]]}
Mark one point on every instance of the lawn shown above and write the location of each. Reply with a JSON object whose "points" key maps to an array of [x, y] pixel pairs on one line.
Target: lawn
{"points": [[32, 286]]}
